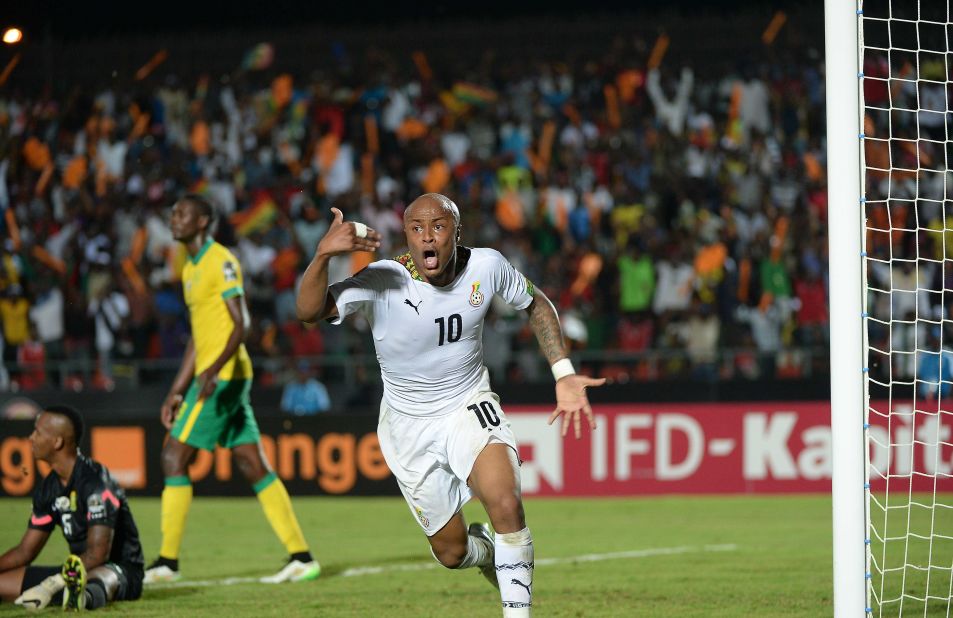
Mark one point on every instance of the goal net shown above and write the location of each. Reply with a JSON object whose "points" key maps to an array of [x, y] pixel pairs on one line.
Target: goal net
{"points": [[906, 146]]}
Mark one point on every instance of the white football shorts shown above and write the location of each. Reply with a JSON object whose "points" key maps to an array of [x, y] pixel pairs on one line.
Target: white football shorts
{"points": [[431, 457]]}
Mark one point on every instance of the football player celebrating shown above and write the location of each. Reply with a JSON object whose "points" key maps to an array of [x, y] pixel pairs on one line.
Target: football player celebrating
{"points": [[442, 430], [82, 497]]}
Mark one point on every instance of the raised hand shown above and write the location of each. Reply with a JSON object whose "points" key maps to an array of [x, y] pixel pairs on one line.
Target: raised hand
{"points": [[572, 403], [342, 237]]}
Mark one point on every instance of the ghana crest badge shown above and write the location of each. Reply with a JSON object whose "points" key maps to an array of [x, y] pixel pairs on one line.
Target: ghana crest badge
{"points": [[476, 296]]}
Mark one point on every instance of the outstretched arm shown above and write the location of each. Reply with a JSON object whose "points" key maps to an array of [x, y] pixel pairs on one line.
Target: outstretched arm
{"points": [[26, 551], [312, 303], [571, 400]]}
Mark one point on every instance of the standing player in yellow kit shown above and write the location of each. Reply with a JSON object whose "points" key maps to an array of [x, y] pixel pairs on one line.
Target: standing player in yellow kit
{"points": [[209, 403]]}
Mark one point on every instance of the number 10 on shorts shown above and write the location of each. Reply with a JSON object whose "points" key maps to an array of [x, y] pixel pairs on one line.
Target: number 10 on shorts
{"points": [[485, 413]]}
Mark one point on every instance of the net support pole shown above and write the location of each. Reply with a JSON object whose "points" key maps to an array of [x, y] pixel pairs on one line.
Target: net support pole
{"points": [[848, 358]]}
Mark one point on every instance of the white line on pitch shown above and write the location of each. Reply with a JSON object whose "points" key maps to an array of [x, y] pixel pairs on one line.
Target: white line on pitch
{"points": [[424, 566]]}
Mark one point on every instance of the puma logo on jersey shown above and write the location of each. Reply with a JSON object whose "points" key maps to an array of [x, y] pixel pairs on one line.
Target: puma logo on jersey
{"points": [[519, 583], [416, 307]]}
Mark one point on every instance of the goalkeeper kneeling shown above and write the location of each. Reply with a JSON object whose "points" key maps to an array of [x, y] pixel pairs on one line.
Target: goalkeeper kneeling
{"points": [[105, 562]]}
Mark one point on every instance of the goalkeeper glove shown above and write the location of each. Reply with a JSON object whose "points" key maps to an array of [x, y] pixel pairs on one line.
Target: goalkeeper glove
{"points": [[40, 595]]}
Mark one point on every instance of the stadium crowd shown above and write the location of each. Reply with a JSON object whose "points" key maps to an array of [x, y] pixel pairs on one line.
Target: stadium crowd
{"points": [[668, 212]]}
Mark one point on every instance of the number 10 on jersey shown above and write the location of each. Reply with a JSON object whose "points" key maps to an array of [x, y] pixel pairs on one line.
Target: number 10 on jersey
{"points": [[485, 413], [450, 328]]}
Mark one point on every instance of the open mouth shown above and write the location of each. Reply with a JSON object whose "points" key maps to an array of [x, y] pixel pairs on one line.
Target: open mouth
{"points": [[430, 259]]}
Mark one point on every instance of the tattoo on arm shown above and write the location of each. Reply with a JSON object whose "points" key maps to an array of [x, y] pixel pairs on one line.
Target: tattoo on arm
{"points": [[545, 324]]}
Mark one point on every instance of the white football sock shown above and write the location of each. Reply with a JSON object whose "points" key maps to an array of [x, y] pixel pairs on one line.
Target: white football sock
{"points": [[479, 552], [514, 572]]}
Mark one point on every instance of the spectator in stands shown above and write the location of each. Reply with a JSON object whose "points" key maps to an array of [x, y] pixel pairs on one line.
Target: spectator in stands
{"points": [[305, 395], [701, 342], [812, 319], [765, 322], [48, 317], [675, 277], [31, 362], [636, 279], [934, 368], [109, 309], [309, 227], [700, 167], [14, 310]]}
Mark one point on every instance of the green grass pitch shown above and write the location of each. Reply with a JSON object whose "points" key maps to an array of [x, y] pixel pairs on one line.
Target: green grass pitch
{"points": [[658, 556]]}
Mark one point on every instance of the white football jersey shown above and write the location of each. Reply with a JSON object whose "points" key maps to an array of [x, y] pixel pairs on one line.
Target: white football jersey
{"points": [[429, 339]]}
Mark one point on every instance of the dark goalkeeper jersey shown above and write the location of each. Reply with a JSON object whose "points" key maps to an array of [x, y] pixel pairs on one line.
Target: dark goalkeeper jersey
{"points": [[90, 498]]}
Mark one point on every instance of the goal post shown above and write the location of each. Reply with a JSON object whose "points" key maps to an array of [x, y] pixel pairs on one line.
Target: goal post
{"points": [[847, 331], [889, 84]]}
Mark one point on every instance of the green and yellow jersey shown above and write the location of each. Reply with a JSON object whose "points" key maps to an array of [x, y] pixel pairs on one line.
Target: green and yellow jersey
{"points": [[208, 279]]}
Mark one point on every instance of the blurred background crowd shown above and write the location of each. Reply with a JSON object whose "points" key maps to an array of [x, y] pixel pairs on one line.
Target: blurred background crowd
{"points": [[672, 205]]}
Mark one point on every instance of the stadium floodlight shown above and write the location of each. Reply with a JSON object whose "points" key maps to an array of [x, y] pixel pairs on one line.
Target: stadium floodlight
{"points": [[890, 191], [12, 36]]}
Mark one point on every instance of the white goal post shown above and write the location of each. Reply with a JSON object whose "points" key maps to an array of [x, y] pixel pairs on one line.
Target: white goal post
{"points": [[889, 85], [845, 242]]}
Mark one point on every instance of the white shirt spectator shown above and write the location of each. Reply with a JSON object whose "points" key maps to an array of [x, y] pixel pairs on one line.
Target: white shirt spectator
{"points": [[159, 238], [754, 111], [750, 189], [698, 162], [765, 326], [455, 146], [602, 199], [113, 156], [572, 137], [701, 343], [222, 195], [387, 189], [671, 113], [749, 226], [903, 284], [339, 177], [109, 312], [673, 290], [932, 111], [559, 202], [47, 314], [398, 107], [785, 193], [256, 258]]}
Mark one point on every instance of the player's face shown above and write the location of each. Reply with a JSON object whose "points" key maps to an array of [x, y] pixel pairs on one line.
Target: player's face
{"points": [[185, 223], [43, 438], [432, 240]]}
